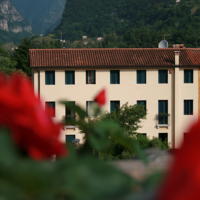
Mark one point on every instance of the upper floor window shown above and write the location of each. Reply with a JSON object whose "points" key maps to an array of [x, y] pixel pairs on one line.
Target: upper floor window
{"points": [[90, 108], [69, 113], [115, 77], [50, 77], [69, 77], [52, 106], [188, 107], [90, 77], [141, 76], [143, 103], [163, 112], [162, 76], [188, 76], [114, 106]]}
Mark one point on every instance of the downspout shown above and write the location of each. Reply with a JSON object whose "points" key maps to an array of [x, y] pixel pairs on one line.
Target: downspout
{"points": [[39, 83], [175, 96]]}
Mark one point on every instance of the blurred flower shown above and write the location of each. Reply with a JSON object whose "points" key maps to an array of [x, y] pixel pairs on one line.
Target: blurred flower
{"points": [[100, 98], [183, 179], [23, 114]]}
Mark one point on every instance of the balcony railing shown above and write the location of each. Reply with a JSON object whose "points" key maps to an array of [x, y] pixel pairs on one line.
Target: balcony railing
{"points": [[163, 119]]}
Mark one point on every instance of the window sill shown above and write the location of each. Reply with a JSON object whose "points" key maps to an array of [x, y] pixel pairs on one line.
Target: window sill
{"points": [[69, 127], [162, 125]]}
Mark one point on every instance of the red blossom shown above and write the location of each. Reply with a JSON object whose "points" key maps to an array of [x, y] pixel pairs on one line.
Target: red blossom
{"points": [[23, 114], [100, 98], [183, 179]]}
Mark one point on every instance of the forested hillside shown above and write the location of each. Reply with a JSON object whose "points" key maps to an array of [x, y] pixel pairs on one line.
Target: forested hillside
{"points": [[132, 23]]}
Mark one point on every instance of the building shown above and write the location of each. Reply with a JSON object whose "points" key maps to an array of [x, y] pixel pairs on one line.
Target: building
{"points": [[166, 81]]}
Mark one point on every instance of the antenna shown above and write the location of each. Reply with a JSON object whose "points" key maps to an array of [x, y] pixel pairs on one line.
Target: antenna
{"points": [[163, 44]]}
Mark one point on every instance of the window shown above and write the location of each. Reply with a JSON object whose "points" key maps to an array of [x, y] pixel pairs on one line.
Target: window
{"points": [[70, 138], [50, 77], [52, 106], [114, 77], [90, 108], [162, 112], [162, 76], [114, 106], [188, 107], [163, 137], [91, 77], [69, 114], [141, 76], [142, 103], [188, 76], [69, 77]]}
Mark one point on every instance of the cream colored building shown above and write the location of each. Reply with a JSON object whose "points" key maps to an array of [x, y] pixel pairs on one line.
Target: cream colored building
{"points": [[166, 80]]}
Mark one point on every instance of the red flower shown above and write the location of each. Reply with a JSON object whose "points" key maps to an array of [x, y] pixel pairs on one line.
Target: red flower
{"points": [[183, 179], [100, 98], [23, 114]]}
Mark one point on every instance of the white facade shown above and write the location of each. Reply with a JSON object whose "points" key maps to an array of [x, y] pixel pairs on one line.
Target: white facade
{"points": [[128, 91]]}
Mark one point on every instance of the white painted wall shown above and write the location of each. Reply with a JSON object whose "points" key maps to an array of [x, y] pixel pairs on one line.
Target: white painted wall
{"points": [[127, 91]]}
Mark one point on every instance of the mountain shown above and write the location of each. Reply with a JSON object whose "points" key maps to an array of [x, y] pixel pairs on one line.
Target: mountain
{"points": [[43, 15], [133, 23], [12, 24]]}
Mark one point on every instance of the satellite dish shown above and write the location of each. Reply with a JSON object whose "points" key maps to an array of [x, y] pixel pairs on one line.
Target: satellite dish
{"points": [[163, 44]]}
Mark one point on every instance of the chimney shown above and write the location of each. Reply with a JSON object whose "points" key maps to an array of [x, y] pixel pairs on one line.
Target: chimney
{"points": [[177, 58], [178, 46]]}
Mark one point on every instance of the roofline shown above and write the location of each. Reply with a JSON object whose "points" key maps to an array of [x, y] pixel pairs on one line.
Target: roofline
{"points": [[102, 49], [115, 66]]}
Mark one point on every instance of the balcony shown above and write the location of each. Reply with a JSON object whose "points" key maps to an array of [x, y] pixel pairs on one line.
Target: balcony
{"points": [[162, 120]]}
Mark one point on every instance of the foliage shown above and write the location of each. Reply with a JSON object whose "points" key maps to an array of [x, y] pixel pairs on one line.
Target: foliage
{"points": [[132, 23], [109, 138], [18, 59], [7, 64], [128, 117], [72, 178], [146, 143], [20, 55], [26, 149]]}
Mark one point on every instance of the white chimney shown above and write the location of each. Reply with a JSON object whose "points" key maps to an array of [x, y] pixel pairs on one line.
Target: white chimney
{"points": [[177, 58]]}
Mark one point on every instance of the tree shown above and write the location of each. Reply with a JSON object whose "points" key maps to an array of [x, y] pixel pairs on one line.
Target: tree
{"points": [[21, 56], [128, 117], [7, 64]]}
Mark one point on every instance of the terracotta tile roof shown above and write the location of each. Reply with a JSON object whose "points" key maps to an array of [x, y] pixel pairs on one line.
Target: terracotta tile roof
{"points": [[108, 57]]}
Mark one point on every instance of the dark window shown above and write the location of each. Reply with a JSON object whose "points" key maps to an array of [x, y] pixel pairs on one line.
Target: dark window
{"points": [[69, 77], [91, 77], [115, 77], [162, 76], [90, 108], [52, 106], [163, 137], [114, 106], [188, 76], [142, 103], [141, 76], [69, 114], [50, 77], [162, 112], [70, 138], [188, 107]]}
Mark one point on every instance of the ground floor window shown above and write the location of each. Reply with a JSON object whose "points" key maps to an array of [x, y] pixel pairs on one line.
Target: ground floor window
{"points": [[163, 137]]}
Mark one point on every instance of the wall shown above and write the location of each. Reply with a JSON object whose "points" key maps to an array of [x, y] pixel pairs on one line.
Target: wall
{"points": [[127, 91]]}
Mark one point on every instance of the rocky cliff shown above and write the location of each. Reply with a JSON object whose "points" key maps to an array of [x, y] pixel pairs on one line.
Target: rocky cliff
{"points": [[11, 20], [43, 15]]}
